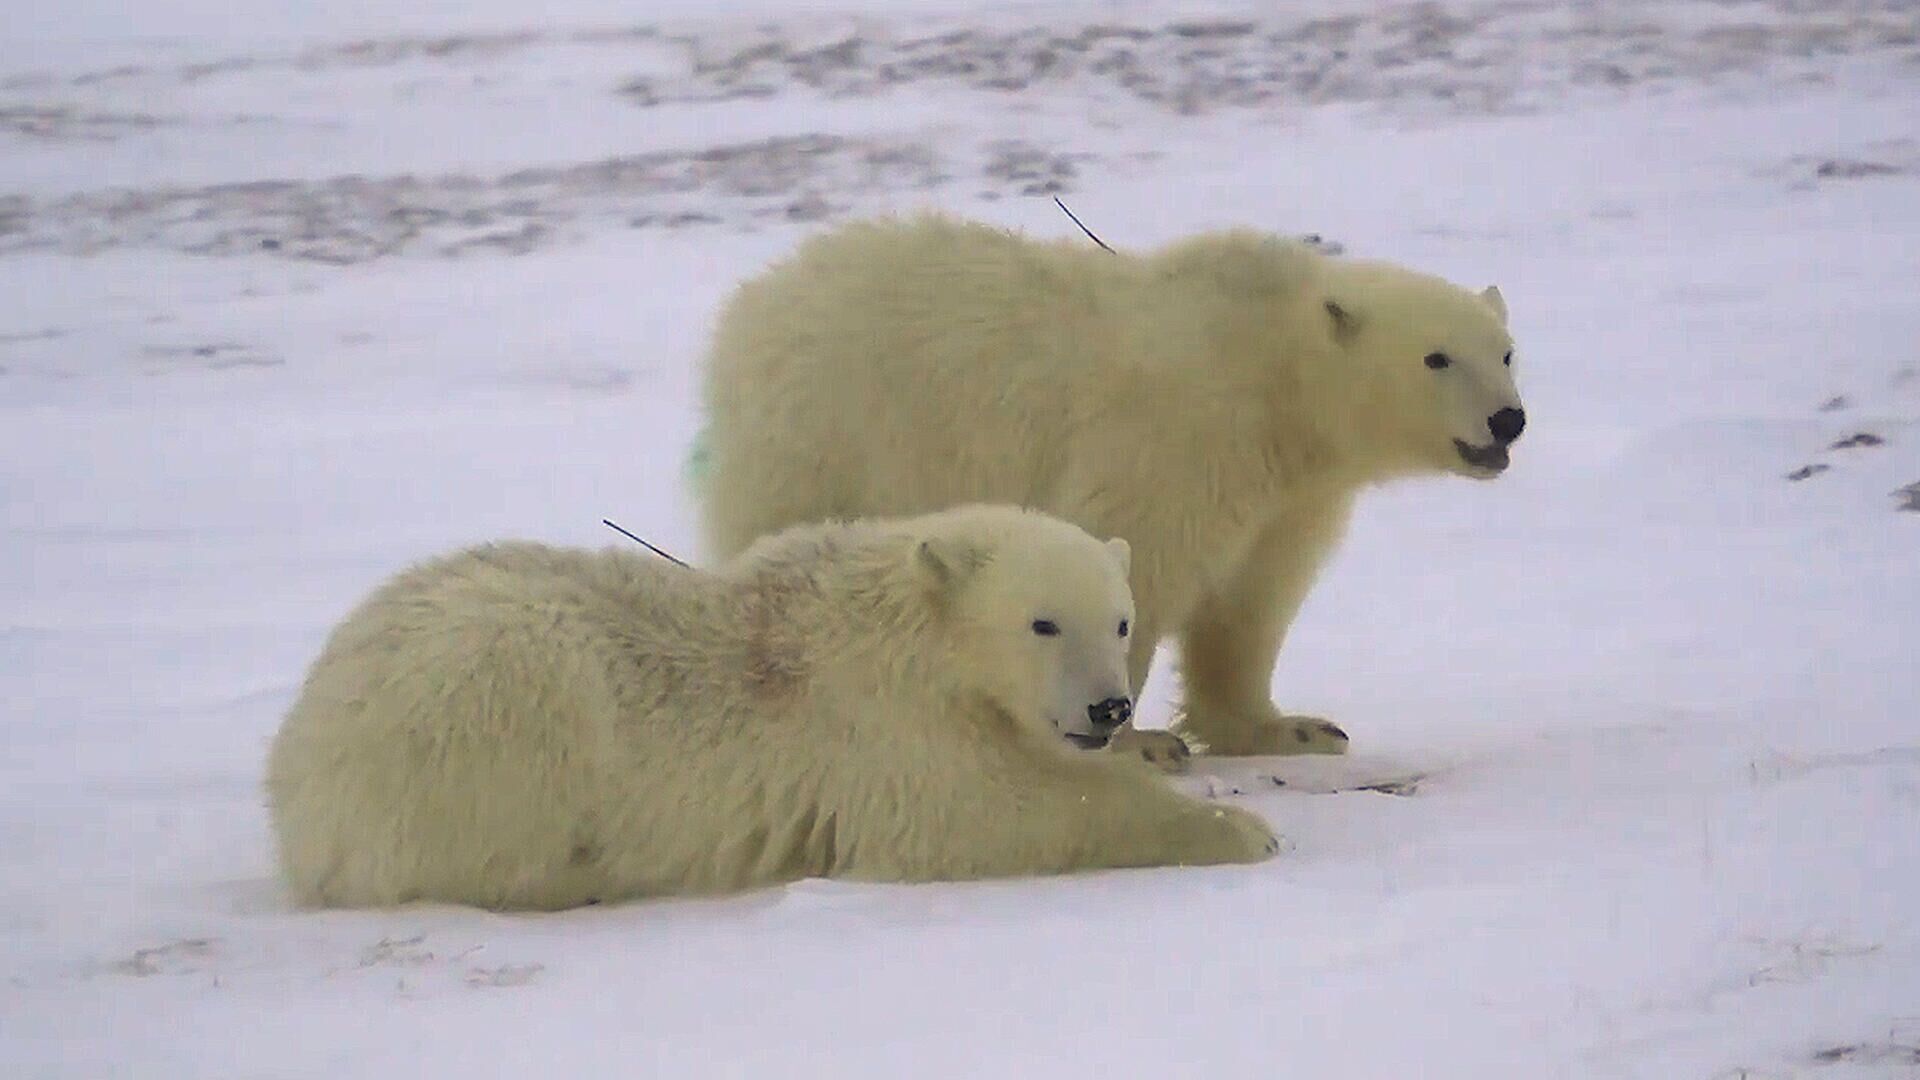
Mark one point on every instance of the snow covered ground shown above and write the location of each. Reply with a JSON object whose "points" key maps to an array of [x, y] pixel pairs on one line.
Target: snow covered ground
{"points": [[287, 301]]}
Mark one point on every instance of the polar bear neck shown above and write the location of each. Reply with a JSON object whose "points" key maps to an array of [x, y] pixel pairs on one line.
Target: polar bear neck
{"points": [[1232, 344], [835, 592]]}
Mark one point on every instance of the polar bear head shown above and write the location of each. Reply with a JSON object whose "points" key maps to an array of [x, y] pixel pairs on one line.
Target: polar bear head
{"points": [[1035, 614], [1428, 369]]}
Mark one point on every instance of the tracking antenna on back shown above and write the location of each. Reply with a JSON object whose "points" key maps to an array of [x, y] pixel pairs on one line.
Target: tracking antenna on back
{"points": [[642, 543], [1083, 227]]}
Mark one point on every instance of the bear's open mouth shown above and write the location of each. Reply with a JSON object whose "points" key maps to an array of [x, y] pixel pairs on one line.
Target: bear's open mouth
{"points": [[1086, 742], [1491, 458]]}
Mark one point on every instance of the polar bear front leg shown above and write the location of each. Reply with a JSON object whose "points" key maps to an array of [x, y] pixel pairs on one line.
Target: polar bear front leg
{"points": [[1162, 749], [1130, 817], [1232, 641], [1041, 813]]}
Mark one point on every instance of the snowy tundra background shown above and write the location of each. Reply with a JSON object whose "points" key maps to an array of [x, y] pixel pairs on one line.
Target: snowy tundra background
{"points": [[293, 293]]}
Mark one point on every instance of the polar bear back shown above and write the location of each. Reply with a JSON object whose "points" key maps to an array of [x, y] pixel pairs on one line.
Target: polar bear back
{"points": [[471, 731], [870, 361]]}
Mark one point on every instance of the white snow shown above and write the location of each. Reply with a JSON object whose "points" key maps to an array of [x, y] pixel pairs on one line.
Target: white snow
{"points": [[1662, 702]]}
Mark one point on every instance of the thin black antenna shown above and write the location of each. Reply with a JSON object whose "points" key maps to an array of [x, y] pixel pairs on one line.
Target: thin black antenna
{"points": [[641, 542], [1083, 228]]}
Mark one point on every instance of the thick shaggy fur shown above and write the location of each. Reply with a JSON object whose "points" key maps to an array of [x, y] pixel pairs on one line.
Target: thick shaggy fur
{"points": [[1217, 403], [520, 726]]}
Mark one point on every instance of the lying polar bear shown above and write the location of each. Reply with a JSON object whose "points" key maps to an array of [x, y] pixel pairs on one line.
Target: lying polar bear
{"points": [[521, 726]]}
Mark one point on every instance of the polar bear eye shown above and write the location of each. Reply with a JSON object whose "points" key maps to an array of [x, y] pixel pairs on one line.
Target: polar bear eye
{"points": [[1438, 360], [1046, 627], [1124, 627]]}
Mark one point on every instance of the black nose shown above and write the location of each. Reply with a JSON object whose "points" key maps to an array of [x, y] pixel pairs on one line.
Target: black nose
{"points": [[1111, 713], [1506, 425]]}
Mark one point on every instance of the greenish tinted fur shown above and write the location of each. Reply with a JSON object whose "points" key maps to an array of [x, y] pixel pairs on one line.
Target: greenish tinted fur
{"points": [[698, 456]]}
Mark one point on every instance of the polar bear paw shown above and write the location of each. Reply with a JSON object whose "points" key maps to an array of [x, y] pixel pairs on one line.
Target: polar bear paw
{"points": [[1161, 749], [1276, 734], [1226, 834]]}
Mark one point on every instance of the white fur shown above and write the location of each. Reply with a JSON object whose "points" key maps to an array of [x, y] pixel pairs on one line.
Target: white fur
{"points": [[1217, 403], [520, 726]]}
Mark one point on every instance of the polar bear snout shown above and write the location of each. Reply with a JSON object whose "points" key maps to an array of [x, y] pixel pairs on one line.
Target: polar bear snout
{"points": [[1111, 713], [1104, 717], [1506, 425], [1490, 459]]}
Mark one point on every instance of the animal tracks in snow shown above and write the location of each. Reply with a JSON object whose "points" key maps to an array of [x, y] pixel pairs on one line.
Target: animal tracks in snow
{"points": [[184, 957], [415, 964], [1317, 774]]}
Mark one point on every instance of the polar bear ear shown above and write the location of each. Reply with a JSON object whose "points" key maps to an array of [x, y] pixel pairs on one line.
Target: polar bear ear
{"points": [[1491, 294], [1122, 554], [1345, 324], [945, 563]]}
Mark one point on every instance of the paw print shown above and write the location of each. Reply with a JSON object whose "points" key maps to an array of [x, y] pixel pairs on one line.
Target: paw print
{"points": [[175, 958], [504, 975]]}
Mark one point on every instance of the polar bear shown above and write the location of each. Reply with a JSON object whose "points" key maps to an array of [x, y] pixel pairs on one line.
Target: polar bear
{"points": [[522, 726], [1218, 403]]}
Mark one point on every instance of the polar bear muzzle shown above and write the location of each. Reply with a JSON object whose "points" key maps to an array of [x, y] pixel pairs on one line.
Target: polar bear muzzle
{"points": [[1107, 717], [1505, 426]]}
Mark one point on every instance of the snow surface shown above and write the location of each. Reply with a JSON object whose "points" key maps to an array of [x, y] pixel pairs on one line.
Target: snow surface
{"points": [[290, 299]]}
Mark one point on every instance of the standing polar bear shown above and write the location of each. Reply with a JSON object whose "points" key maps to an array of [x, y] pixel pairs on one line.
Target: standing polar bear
{"points": [[1218, 403], [520, 726]]}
